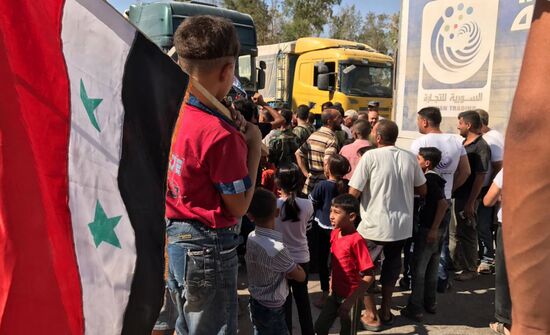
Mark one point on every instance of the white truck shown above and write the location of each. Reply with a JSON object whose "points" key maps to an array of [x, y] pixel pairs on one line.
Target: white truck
{"points": [[459, 55]]}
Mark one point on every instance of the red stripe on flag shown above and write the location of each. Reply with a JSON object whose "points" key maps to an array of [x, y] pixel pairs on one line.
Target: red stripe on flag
{"points": [[39, 282]]}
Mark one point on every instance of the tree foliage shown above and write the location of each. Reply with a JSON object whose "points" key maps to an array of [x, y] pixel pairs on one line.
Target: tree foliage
{"points": [[287, 20], [346, 25], [306, 18], [260, 13]]}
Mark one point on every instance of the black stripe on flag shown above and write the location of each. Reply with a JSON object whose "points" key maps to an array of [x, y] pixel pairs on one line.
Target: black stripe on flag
{"points": [[152, 90]]}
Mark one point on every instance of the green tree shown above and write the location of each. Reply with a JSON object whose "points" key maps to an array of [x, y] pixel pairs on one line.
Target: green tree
{"points": [[393, 33], [260, 13], [346, 25], [306, 18], [375, 31]]}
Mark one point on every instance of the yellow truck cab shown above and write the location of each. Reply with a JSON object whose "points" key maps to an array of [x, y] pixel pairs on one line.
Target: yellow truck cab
{"points": [[313, 70]]}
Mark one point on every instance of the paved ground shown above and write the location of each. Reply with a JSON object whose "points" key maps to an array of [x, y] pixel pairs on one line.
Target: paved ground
{"points": [[466, 310]]}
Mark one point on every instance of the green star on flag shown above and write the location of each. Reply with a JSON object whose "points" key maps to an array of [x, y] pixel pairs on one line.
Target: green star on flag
{"points": [[90, 105], [103, 228]]}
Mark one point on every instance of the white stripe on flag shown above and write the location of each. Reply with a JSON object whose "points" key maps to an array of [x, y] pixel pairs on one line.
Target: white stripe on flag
{"points": [[95, 56]]}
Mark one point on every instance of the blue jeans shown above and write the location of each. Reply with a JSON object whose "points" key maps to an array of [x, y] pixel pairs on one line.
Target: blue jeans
{"points": [[425, 262], [267, 321], [203, 277]]}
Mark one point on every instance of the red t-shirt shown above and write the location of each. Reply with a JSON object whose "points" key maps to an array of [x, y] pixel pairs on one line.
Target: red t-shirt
{"points": [[350, 258], [208, 158]]}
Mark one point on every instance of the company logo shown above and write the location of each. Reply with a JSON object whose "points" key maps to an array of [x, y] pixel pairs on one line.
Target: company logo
{"points": [[459, 39], [455, 45]]}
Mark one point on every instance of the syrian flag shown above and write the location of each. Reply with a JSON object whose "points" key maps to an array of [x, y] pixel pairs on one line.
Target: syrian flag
{"points": [[87, 109]]}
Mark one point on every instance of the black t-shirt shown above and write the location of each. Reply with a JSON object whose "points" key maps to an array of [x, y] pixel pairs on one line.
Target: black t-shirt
{"points": [[479, 156], [321, 197], [428, 206]]}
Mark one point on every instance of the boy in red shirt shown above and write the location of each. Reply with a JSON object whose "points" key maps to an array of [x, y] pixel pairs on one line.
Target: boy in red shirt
{"points": [[351, 268], [211, 177]]}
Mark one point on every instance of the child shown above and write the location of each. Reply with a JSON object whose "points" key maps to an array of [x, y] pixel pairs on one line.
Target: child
{"points": [[428, 239], [293, 221], [336, 167], [211, 179], [268, 264], [351, 268]]}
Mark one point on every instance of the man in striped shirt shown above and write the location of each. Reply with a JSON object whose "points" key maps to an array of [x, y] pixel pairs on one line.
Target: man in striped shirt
{"points": [[321, 144], [268, 265]]}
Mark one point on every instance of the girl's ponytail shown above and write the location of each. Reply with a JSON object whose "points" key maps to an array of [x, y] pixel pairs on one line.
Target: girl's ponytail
{"points": [[338, 167], [289, 179]]}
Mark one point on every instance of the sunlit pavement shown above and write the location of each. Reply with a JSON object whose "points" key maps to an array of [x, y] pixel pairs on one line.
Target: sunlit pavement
{"points": [[466, 309]]}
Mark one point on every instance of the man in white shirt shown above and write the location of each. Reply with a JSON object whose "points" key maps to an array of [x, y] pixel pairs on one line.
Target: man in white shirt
{"points": [[454, 168], [486, 215], [386, 179]]}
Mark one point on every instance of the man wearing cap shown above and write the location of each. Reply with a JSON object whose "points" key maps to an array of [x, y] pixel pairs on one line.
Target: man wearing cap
{"points": [[350, 116], [373, 115]]}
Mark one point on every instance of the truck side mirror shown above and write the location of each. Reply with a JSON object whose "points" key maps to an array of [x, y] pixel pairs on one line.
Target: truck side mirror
{"points": [[322, 68], [263, 66], [323, 81]]}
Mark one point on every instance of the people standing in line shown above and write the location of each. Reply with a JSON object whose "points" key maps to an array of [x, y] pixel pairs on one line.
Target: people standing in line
{"points": [[311, 155], [336, 167], [283, 144], [211, 181], [428, 238], [503, 303], [463, 237], [269, 265], [453, 167], [486, 215], [351, 268], [361, 130], [303, 129], [386, 221], [293, 222]]}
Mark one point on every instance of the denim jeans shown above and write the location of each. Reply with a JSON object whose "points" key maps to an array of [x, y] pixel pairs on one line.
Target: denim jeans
{"points": [[267, 321], [425, 263], [300, 292], [503, 303], [485, 220], [168, 313], [203, 277], [445, 255]]}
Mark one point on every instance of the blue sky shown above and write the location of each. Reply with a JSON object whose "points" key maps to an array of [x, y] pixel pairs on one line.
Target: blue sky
{"points": [[378, 6]]}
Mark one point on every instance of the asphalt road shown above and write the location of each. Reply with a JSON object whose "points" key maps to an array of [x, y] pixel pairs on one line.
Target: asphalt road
{"points": [[466, 310]]}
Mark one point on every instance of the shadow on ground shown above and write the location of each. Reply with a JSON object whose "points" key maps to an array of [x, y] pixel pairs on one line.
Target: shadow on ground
{"points": [[466, 310]]}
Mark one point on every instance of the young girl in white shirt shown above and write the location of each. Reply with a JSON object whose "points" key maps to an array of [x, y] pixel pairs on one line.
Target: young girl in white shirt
{"points": [[293, 222]]}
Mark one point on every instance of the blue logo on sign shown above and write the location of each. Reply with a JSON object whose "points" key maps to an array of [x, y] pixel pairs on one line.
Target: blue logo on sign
{"points": [[456, 44]]}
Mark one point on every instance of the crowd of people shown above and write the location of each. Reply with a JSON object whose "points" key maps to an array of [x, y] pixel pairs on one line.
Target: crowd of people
{"points": [[296, 194]]}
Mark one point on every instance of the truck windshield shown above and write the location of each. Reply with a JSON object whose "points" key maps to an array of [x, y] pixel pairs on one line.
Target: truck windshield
{"points": [[243, 70], [372, 80]]}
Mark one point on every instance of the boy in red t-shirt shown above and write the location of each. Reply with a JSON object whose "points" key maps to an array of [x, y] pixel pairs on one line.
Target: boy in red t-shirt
{"points": [[211, 179], [351, 268]]}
